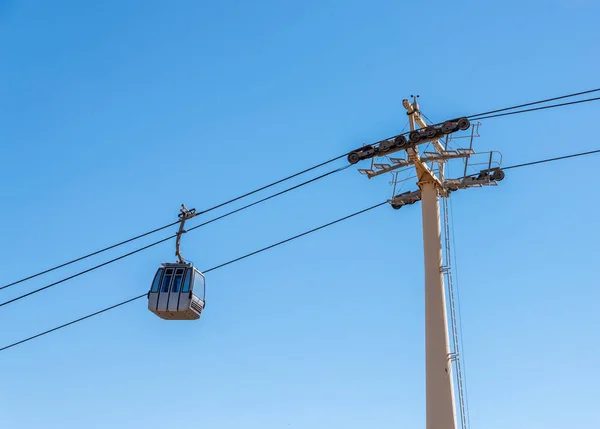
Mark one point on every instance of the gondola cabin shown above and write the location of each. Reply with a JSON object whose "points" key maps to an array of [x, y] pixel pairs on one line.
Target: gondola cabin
{"points": [[171, 295]]}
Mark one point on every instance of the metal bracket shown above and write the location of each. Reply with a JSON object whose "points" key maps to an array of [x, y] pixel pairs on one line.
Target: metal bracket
{"points": [[184, 215]]}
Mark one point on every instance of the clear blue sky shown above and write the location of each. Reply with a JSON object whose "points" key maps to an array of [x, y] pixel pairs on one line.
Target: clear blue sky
{"points": [[114, 113]]}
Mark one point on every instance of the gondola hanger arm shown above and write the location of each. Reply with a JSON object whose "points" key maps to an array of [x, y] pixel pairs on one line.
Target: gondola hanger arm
{"points": [[184, 215]]}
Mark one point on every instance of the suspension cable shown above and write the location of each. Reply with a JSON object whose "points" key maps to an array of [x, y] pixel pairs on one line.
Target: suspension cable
{"points": [[259, 251], [206, 271], [88, 255], [479, 116], [575, 94], [33, 292], [587, 100], [97, 252], [558, 158]]}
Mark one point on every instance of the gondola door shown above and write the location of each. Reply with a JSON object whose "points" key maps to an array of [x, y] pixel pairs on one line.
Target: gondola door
{"points": [[175, 293], [185, 296], [155, 290], [163, 297]]}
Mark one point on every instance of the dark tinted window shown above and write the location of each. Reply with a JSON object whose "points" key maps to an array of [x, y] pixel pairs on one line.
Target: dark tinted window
{"points": [[199, 284], [177, 280], [167, 280], [187, 280], [156, 282]]}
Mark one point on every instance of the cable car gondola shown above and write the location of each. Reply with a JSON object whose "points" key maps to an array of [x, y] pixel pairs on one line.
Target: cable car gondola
{"points": [[171, 295]]}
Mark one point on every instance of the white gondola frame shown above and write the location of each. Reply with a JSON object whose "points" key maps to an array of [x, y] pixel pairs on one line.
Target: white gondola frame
{"points": [[171, 295]]}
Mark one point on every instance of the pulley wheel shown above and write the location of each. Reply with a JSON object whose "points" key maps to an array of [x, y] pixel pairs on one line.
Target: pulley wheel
{"points": [[430, 132], [463, 124], [414, 137], [448, 127], [353, 158], [498, 175], [384, 146], [400, 141]]}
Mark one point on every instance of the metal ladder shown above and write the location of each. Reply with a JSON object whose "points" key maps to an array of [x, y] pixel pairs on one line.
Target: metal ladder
{"points": [[455, 354]]}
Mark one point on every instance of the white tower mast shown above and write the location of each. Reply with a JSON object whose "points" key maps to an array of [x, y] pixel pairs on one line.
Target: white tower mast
{"points": [[439, 359], [440, 410]]}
